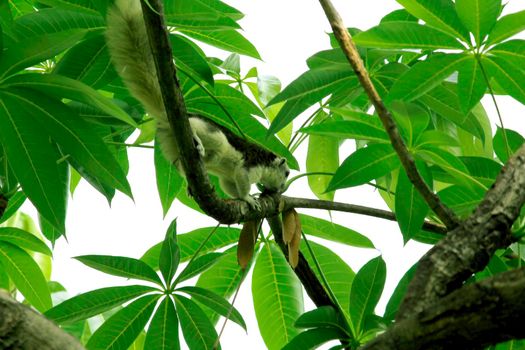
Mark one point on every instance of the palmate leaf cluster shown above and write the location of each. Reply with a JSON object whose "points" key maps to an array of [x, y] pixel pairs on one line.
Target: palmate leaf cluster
{"points": [[66, 116]]}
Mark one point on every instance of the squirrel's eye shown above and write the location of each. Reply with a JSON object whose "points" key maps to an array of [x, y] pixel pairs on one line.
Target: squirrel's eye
{"points": [[287, 172]]}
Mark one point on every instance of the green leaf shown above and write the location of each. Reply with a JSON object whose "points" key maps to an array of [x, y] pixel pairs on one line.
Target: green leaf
{"points": [[53, 20], [84, 6], [333, 232], [445, 101], [191, 241], [313, 338], [198, 331], [277, 297], [75, 136], [121, 266], [512, 51], [88, 62], [26, 275], [223, 279], [201, 14], [169, 181], [232, 65], [471, 84], [314, 83], [323, 316], [478, 16], [24, 240], [425, 75], [191, 58], [399, 15], [333, 58], [121, 329], [200, 264], [462, 200], [322, 157], [36, 49], [63, 87], [440, 14], [399, 293], [508, 76], [15, 202], [514, 139], [406, 35], [169, 256], [411, 208], [34, 160], [348, 129], [308, 89], [411, 119], [337, 272], [364, 165], [506, 27], [452, 166], [95, 302], [215, 302], [366, 290], [471, 145], [163, 331], [483, 169], [226, 39]]}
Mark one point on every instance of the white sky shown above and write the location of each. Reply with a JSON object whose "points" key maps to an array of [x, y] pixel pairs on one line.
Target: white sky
{"points": [[285, 32]]}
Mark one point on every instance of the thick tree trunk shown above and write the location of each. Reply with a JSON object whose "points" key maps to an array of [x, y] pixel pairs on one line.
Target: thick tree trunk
{"points": [[21, 328]]}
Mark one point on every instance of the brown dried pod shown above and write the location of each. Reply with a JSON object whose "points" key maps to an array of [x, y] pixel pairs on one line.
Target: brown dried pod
{"points": [[246, 244], [293, 246], [288, 225]]}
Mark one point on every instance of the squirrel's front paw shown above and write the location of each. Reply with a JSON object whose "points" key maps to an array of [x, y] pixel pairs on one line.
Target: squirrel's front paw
{"points": [[252, 202]]}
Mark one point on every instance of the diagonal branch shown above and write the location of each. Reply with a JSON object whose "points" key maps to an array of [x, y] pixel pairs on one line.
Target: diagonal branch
{"points": [[472, 317], [224, 211], [309, 280], [468, 248], [347, 45]]}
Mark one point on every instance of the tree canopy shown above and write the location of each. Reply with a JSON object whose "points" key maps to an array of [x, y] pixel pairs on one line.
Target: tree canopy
{"points": [[406, 94]]}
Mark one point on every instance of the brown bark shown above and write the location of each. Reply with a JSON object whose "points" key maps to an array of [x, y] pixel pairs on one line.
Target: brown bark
{"points": [[21, 328]]}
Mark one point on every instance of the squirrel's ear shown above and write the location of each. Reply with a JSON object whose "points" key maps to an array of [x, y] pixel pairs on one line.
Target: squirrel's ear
{"points": [[282, 161]]}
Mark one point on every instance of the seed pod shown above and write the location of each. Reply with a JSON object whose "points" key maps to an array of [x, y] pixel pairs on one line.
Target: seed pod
{"points": [[288, 226], [246, 244], [293, 246]]}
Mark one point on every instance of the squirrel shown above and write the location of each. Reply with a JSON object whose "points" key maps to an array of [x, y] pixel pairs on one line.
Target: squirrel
{"points": [[237, 162]]}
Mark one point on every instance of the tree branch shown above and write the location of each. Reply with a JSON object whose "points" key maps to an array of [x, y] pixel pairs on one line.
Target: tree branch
{"points": [[224, 211], [4, 201], [309, 280], [347, 45], [468, 248], [292, 202], [473, 317], [23, 328]]}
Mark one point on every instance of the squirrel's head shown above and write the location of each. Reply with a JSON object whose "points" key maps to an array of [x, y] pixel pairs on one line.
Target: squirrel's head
{"points": [[276, 175]]}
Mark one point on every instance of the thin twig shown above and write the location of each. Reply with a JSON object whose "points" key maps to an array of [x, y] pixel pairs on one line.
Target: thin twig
{"points": [[292, 202], [351, 53]]}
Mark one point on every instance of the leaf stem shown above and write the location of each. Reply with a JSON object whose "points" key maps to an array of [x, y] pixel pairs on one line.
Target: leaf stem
{"points": [[292, 147], [500, 117]]}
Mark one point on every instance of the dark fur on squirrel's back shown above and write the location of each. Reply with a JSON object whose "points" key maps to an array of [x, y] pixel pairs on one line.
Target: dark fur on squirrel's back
{"points": [[253, 155]]}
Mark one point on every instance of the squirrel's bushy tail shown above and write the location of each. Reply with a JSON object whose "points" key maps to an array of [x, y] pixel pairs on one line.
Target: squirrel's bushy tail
{"points": [[127, 41]]}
